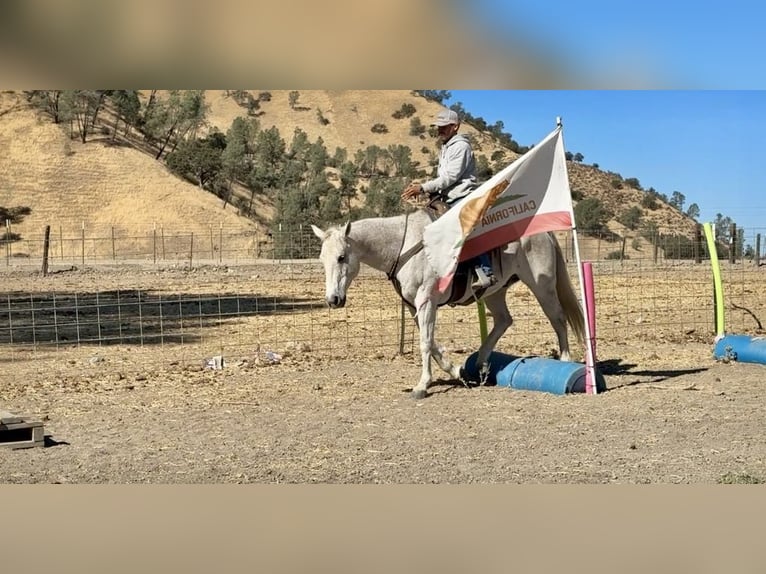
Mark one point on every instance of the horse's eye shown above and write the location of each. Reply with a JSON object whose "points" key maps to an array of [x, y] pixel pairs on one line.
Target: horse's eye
{"points": [[341, 258]]}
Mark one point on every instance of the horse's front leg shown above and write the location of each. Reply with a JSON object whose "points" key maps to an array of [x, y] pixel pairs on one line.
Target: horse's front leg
{"points": [[426, 321], [501, 320], [438, 354]]}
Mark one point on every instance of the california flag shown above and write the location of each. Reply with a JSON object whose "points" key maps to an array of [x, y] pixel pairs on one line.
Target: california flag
{"points": [[529, 196]]}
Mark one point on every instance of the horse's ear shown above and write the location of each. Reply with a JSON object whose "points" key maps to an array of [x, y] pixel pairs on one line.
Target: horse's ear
{"points": [[318, 232], [347, 230]]}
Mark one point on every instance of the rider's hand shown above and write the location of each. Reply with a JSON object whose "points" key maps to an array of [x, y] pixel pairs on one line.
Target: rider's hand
{"points": [[413, 190]]}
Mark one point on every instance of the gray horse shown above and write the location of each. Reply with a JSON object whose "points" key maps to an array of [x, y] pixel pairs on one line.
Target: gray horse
{"points": [[394, 245]]}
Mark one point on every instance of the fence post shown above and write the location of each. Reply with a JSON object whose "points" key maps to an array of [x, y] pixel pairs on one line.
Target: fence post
{"points": [[212, 249], [46, 245], [162, 237], [61, 242], [698, 243], [732, 242], [154, 243], [220, 243], [655, 246], [191, 250], [82, 236], [114, 252], [622, 253], [401, 329], [758, 250], [741, 243], [574, 240], [8, 242]]}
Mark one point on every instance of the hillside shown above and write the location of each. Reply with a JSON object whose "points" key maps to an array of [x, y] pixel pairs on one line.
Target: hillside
{"points": [[102, 185], [98, 186]]}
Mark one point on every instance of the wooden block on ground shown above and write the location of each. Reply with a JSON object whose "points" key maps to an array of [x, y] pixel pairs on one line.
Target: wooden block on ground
{"points": [[7, 418], [20, 432]]}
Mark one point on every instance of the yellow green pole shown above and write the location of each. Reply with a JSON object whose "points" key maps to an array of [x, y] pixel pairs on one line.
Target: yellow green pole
{"points": [[717, 286], [482, 320]]}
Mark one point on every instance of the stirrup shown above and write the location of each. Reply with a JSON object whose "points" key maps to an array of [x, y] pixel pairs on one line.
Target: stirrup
{"points": [[483, 279]]}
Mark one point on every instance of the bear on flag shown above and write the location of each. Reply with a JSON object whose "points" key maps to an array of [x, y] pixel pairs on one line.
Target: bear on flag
{"points": [[529, 196]]}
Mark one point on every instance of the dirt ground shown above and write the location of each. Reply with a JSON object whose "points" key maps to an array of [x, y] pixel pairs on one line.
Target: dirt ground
{"points": [[137, 414]]}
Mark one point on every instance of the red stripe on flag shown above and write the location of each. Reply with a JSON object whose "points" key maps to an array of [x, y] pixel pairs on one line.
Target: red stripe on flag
{"points": [[553, 221]]}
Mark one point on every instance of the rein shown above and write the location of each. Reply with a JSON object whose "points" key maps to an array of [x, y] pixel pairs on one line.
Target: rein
{"points": [[392, 272], [401, 259]]}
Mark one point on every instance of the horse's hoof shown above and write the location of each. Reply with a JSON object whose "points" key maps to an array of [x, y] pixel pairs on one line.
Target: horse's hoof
{"points": [[465, 377], [418, 394]]}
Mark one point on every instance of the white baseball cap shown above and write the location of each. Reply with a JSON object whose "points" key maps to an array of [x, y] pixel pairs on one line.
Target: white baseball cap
{"points": [[445, 118]]}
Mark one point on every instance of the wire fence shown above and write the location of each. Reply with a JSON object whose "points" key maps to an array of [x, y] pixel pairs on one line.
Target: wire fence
{"points": [[173, 297], [60, 245]]}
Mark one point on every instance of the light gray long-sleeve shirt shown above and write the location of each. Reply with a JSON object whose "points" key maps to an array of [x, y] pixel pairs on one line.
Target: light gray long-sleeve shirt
{"points": [[457, 167]]}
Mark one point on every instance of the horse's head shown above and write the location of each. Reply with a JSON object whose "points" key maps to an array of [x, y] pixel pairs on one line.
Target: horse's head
{"points": [[340, 260]]}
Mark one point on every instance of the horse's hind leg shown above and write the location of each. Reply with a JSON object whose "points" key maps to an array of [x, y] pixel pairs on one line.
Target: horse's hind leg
{"points": [[541, 280], [501, 320]]}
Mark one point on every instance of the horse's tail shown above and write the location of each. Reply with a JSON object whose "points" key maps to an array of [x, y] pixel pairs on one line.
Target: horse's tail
{"points": [[567, 296]]}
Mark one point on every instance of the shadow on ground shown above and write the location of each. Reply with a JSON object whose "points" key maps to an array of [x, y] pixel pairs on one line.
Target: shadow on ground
{"points": [[130, 316]]}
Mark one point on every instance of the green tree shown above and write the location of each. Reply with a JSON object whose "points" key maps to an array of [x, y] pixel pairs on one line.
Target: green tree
{"points": [[400, 157], [435, 95], [81, 108], [199, 160], [349, 180], [368, 159], [416, 127], [236, 158], [404, 112], [384, 197], [127, 107], [331, 207], [631, 218], [47, 101], [292, 98], [591, 216], [14, 215], [483, 169], [677, 200], [317, 157], [339, 157], [174, 119], [722, 225], [693, 211], [268, 159], [299, 145], [649, 200]]}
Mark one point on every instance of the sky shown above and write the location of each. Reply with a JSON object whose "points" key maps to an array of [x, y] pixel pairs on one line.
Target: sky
{"points": [[702, 45], [706, 144]]}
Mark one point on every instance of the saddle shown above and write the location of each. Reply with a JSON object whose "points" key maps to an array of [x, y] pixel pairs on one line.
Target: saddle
{"points": [[461, 292]]}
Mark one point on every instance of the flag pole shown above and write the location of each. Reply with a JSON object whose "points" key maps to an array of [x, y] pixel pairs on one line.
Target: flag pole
{"points": [[589, 366]]}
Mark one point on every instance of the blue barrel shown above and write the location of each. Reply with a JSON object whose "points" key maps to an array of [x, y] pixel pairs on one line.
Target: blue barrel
{"points": [[534, 374], [742, 348]]}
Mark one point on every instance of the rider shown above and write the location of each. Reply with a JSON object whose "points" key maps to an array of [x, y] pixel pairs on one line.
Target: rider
{"points": [[456, 178]]}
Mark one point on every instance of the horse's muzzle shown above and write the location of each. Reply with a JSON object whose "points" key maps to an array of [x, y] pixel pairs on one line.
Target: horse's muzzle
{"points": [[336, 302]]}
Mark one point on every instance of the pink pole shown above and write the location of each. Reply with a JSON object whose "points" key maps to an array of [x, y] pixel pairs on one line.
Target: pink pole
{"points": [[590, 305]]}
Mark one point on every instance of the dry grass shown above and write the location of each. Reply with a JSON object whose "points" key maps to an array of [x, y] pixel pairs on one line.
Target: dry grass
{"points": [[102, 186]]}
